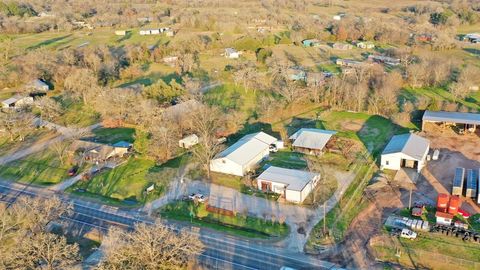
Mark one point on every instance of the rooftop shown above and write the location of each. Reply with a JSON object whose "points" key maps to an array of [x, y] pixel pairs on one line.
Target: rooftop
{"points": [[452, 117], [247, 148], [293, 179], [311, 138], [409, 144]]}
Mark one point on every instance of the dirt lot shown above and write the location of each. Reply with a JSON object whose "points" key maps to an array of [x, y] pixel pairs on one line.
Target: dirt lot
{"points": [[455, 151]]}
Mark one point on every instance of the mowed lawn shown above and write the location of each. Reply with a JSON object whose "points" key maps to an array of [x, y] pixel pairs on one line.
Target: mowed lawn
{"points": [[42, 168], [113, 135], [127, 182], [440, 94]]}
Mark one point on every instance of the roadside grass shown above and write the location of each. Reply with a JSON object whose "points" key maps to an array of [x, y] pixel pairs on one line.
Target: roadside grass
{"points": [[431, 250], [441, 94], [240, 225], [42, 168], [126, 184], [113, 135]]}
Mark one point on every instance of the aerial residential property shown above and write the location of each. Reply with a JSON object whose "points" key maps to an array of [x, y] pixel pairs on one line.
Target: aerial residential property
{"points": [[259, 135], [293, 185]]}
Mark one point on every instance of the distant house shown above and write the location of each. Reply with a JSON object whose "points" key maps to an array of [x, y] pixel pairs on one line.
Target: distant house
{"points": [[231, 53], [405, 151], [384, 60], [242, 157], [292, 185], [169, 33], [349, 63], [188, 141], [342, 46], [178, 110], [170, 60], [147, 32], [121, 32], [444, 218], [17, 102], [38, 85], [144, 19], [311, 140], [311, 43], [365, 45]]}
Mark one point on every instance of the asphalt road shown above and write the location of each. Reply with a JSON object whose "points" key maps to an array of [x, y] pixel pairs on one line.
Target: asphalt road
{"points": [[222, 251]]}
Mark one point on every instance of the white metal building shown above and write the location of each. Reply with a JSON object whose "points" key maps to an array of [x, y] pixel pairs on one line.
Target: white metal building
{"points": [[405, 151], [231, 53], [188, 141], [293, 185], [244, 155]]}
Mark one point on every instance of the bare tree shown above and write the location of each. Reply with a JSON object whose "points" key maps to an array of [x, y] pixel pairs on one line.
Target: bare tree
{"points": [[206, 122], [48, 107], [82, 84], [149, 247], [17, 124]]}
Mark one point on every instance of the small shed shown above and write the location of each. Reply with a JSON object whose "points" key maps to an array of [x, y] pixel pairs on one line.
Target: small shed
{"points": [[311, 43], [365, 45], [38, 85], [311, 140], [16, 102], [188, 141], [120, 32], [293, 185], [443, 218], [231, 53]]}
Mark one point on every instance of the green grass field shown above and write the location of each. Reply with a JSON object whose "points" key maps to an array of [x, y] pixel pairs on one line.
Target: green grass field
{"points": [[77, 114], [113, 135], [472, 102], [42, 168], [230, 96], [126, 183], [238, 225], [286, 159]]}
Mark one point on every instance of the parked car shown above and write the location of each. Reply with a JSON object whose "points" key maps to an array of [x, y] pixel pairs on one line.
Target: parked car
{"points": [[406, 233], [73, 171], [197, 197], [273, 148]]}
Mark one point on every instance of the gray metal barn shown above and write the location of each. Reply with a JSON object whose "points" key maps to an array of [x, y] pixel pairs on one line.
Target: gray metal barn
{"points": [[469, 120]]}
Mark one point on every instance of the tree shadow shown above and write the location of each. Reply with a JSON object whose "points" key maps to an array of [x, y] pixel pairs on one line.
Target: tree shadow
{"points": [[249, 128], [48, 42], [473, 51]]}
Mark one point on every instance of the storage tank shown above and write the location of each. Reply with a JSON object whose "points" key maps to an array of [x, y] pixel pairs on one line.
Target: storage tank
{"points": [[442, 202], [454, 205]]}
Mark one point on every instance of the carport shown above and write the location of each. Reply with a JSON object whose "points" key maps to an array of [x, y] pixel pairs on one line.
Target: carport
{"points": [[470, 121]]}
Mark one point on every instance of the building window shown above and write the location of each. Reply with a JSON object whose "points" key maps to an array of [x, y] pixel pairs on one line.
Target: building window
{"points": [[387, 163]]}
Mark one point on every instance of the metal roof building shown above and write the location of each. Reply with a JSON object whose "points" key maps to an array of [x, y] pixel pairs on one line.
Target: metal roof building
{"points": [[311, 138], [406, 150], [294, 185], [243, 155], [451, 117]]}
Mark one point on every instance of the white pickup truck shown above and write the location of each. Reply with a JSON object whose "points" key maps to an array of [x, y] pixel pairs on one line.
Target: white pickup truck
{"points": [[406, 233]]}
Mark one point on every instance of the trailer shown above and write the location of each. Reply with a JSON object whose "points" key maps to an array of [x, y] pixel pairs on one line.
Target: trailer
{"points": [[472, 185], [457, 188]]}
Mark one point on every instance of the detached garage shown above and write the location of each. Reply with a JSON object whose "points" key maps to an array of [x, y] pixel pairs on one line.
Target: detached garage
{"points": [[293, 185], [405, 151]]}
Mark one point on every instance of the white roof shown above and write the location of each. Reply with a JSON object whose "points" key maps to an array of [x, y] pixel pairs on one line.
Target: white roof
{"points": [[247, 148], [409, 144], [230, 50], [11, 100], [292, 179], [311, 138], [190, 138]]}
